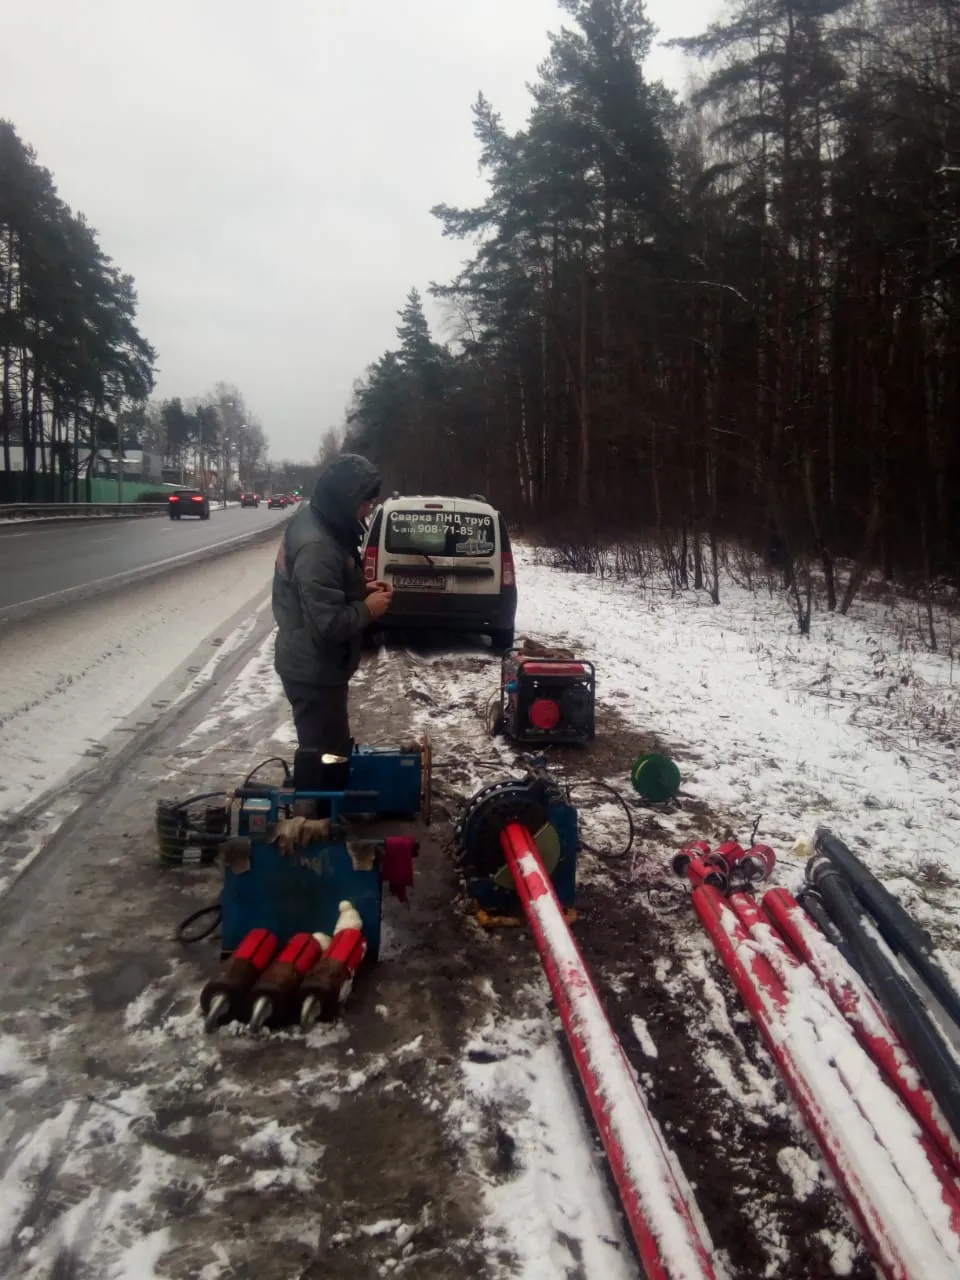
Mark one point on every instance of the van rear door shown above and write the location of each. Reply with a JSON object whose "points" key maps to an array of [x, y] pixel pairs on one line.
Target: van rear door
{"points": [[441, 546]]}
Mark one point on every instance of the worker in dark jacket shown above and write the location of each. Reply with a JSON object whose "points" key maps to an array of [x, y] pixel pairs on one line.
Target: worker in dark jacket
{"points": [[322, 603]]}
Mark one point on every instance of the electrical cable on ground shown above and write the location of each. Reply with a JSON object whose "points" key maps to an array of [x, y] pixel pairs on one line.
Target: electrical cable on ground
{"points": [[262, 765], [621, 800], [184, 933]]}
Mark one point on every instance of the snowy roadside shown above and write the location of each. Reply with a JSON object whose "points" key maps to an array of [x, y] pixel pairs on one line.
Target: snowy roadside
{"points": [[86, 681]]}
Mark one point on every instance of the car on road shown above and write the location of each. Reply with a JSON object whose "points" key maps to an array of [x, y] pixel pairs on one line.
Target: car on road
{"points": [[249, 499], [189, 502], [277, 500], [450, 563]]}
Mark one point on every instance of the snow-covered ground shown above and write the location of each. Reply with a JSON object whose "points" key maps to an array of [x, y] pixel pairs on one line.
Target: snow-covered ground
{"points": [[854, 727]]}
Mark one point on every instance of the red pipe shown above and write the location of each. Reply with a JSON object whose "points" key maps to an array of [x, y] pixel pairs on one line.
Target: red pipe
{"points": [[659, 1206], [869, 1022], [762, 931], [761, 979]]}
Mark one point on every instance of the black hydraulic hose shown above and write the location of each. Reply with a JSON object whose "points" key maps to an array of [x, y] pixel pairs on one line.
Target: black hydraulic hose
{"points": [[813, 905], [899, 931], [893, 991]]}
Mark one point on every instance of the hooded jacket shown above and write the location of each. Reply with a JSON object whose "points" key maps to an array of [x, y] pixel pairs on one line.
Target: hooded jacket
{"points": [[318, 584]]}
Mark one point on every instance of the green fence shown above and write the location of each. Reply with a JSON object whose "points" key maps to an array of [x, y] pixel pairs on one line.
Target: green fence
{"points": [[20, 486], [106, 490]]}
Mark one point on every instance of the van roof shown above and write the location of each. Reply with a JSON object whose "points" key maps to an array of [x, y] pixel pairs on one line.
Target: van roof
{"points": [[445, 501]]}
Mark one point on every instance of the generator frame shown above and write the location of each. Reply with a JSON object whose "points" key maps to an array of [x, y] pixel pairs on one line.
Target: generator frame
{"points": [[547, 676]]}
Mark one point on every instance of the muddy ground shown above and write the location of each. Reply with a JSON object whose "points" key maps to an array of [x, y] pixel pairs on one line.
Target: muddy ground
{"points": [[291, 1158]]}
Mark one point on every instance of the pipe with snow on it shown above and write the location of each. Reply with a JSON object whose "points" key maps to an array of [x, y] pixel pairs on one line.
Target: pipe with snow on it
{"points": [[870, 1024], [904, 1215], [794, 974], [900, 931], [896, 995], [665, 1223]]}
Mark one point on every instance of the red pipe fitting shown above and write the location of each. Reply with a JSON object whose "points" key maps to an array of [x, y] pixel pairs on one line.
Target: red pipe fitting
{"points": [[758, 862], [681, 861], [700, 871], [729, 853]]}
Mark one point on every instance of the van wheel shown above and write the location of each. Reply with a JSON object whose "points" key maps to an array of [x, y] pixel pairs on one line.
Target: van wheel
{"points": [[502, 640]]}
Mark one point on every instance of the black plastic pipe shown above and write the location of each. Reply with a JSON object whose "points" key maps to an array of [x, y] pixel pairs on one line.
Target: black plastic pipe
{"points": [[812, 904], [893, 991], [900, 932]]}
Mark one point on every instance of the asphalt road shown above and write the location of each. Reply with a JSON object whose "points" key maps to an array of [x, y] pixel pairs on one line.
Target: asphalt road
{"points": [[45, 564]]}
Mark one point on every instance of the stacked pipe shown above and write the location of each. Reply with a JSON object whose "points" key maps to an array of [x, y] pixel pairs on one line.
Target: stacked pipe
{"points": [[878, 1125], [860, 909]]}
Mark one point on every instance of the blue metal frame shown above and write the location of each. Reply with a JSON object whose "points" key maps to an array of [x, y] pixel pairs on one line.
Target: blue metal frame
{"points": [[302, 892]]}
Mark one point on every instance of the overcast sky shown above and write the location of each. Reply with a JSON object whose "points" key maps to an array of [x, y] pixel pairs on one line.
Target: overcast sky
{"points": [[267, 175]]}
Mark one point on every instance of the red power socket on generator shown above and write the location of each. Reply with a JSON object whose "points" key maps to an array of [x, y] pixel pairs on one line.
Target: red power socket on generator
{"points": [[547, 700]]}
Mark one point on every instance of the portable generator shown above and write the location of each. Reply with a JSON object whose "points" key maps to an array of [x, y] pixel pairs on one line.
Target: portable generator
{"points": [[541, 805], [547, 700]]}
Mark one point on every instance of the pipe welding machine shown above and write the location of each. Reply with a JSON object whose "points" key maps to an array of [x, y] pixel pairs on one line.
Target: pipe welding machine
{"points": [[540, 804], [303, 878]]}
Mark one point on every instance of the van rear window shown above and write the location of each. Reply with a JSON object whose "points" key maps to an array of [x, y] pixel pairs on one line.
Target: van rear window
{"points": [[440, 533]]}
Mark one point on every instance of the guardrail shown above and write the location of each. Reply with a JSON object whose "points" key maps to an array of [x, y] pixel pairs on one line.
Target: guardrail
{"points": [[79, 510]]}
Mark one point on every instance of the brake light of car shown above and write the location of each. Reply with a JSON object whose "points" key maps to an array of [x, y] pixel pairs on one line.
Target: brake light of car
{"points": [[508, 575], [370, 563], [197, 497], [174, 497]]}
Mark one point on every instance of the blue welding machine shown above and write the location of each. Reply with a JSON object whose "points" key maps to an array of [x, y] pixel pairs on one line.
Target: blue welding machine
{"points": [[299, 890]]}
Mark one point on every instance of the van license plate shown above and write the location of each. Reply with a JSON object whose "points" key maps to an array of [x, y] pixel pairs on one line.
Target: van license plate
{"points": [[419, 582]]}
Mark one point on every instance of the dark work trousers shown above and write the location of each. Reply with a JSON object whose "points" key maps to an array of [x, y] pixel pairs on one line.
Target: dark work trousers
{"points": [[320, 716]]}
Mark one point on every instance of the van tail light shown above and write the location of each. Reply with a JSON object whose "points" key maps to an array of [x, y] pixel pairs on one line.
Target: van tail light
{"points": [[370, 563], [508, 576]]}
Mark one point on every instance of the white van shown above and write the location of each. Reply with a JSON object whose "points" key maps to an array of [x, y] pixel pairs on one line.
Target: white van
{"points": [[449, 562]]}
